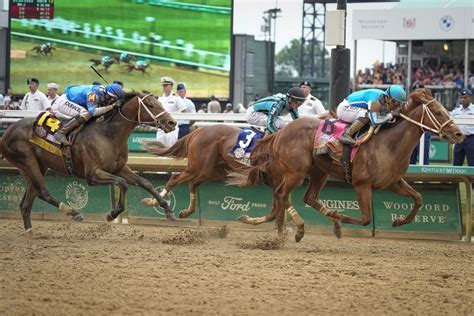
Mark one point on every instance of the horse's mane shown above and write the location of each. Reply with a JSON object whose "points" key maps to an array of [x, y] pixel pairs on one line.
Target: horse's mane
{"points": [[128, 96]]}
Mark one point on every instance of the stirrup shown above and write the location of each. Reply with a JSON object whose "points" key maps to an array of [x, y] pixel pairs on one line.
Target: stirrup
{"points": [[348, 140], [60, 137]]}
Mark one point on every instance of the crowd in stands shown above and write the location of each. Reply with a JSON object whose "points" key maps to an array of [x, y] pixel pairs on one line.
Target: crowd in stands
{"points": [[447, 75]]}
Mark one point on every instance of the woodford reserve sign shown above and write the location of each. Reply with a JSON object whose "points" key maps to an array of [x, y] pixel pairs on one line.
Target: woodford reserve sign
{"points": [[440, 214]]}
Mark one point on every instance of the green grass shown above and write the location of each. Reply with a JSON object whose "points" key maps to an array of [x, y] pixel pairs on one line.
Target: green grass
{"points": [[69, 66], [206, 31]]}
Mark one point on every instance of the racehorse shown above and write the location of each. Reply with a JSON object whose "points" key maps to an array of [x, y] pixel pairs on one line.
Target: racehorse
{"points": [[209, 159], [99, 154], [106, 62], [379, 164], [44, 49], [140, 66], [123, 58]]}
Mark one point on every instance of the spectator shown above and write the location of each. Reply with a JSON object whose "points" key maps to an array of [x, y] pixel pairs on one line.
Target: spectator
{"points": [[466, 148], [52, 92], [2, 102], [214, 106], [173, 104], [255, 99], [240, 108], [228, 108], [427, 142], [34, 100], [312, 106], [203, 108], [184, 124], [8, 100]]}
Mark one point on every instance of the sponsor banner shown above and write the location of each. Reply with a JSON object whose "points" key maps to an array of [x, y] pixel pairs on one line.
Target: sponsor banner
{"points": [[135, 140], [410, 24], [439, 213], [439, 151]]}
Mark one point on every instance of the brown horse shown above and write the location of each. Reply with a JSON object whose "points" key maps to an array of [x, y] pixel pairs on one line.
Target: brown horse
{"points": [[209, 159], [379, 165], [99, 154]]}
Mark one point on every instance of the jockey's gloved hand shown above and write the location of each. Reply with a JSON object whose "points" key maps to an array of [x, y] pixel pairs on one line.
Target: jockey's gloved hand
{"points": [[395, 113], [118, 104]]}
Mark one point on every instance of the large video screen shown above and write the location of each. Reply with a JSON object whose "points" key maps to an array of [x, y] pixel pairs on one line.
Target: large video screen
{"points": [[133, 41]]}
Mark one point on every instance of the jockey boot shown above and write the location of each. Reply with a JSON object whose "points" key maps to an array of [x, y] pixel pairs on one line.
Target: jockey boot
{"points": [[356, 126], [61, 135]]}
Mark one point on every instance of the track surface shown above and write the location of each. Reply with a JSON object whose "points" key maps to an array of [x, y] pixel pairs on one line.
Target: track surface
{"points": [[98, 268]]}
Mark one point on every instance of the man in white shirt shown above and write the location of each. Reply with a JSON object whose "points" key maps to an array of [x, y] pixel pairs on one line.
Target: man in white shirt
{"points": [[172, 104], [312, 106], [52, 92], [34, 100], [466, 148], [184, 124]]}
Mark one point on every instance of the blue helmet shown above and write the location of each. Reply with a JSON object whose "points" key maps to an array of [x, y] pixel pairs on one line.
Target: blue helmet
{"points": [[115, 90], [397, 93]]}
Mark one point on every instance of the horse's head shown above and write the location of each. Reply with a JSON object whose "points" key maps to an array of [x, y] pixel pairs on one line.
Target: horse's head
{"points": [[434, 116], [146, 109]]}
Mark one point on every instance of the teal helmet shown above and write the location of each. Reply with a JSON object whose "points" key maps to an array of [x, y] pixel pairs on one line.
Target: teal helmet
{"points": [[397, 93], [115, 90]]}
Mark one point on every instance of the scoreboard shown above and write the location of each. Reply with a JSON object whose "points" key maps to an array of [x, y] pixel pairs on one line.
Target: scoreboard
{"points": [[32, 9]]}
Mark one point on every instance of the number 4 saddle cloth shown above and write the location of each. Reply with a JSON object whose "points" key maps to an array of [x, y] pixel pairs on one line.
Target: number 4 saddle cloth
{"points": [[44, 127], [245, 143], [327, 137]]}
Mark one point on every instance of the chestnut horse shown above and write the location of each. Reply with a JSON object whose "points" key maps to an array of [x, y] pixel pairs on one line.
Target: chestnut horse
{"points": [[99, 154], [209, 159], [379, 165]]}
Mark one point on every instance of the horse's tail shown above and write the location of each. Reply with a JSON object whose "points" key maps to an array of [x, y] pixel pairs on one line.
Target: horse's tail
{"points": [[260, 161], [178, 150]]}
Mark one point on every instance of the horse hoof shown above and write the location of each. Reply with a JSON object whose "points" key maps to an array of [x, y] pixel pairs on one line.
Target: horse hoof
{"points": [[78, 217], [337, 231], [183, 214], [149, 202], [109, 217], [170, 216], [244, 219], [298, 237], [396, 223], [29, 232]]}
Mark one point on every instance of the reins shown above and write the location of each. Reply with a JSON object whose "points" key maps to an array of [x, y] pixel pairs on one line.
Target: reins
{"points": [[438, 126]]}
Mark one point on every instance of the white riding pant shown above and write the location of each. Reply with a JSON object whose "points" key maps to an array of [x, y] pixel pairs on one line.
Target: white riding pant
{"points": [[69, 109], [348, 113], [261, 119], [168, 139]]}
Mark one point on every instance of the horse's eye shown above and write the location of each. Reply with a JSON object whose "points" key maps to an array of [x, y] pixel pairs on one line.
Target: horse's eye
{"points": [[438, 113]]}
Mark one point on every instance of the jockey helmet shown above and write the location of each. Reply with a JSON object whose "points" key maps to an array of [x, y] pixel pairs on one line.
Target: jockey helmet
{"points": [[296, 93], [115, 90], [397, 93]]}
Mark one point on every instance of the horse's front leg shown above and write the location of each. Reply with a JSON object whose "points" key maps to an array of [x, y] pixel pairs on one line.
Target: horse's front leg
{"points": [[403, 188], [101, 177], [364, 197], [132, 178]]}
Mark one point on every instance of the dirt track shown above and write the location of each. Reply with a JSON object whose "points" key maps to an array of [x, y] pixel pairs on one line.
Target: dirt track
{"points": [[90, 268]]}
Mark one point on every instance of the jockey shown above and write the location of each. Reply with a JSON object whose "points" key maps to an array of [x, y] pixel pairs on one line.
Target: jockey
{"points": [[83, 102], [141, 63], [371, 105], [265, 112], [106, 59]]}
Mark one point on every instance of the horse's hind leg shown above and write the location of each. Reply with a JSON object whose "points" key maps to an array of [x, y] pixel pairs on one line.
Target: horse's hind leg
{"points": [[128, 175], [403, 188], [35, 175], [26, 205]]}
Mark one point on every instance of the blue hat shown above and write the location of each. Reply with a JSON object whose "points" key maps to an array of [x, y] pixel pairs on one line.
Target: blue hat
{"points": [[466, 91], [115, 90], [397, 93], [180, 86]]}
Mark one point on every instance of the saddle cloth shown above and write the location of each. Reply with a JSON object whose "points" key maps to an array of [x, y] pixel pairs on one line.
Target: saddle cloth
{"points": [[245, 143], [327, 137], [45, 125]]}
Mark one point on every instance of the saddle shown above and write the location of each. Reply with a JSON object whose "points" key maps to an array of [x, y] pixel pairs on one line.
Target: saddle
{"points": [[245, 143], [327, 142], [46, 124]]}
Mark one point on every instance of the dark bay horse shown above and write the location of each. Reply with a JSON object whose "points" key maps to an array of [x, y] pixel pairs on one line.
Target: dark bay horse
{"points": [[379, 165], [209, 159], [44, 49], [99, 154]]}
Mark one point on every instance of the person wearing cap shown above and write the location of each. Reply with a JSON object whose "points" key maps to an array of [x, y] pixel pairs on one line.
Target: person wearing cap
{"points": [[172, 104], [371, 105], [82, 102], [311, 106], [203, 108], [427, 138], [34, 100], [265, 112], [52, 92], [214, 106], [184, 124], [466, 148]]}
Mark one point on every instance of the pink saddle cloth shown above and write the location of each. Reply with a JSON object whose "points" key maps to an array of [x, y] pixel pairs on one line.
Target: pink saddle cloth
{"points": [[327, 141]]}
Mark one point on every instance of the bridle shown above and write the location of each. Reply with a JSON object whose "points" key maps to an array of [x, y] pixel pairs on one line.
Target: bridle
{"points": [[438, 126], [155, 121]]}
